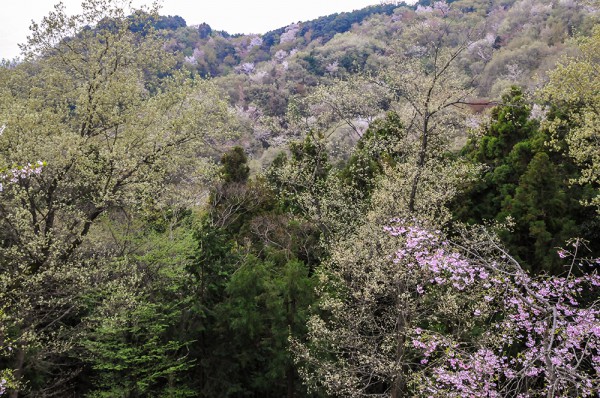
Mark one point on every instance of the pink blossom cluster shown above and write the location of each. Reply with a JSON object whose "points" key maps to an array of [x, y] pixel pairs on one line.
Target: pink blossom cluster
{"points": [[542, 336], [20, 173], [429, 252], [559, 337], [470, 376]]}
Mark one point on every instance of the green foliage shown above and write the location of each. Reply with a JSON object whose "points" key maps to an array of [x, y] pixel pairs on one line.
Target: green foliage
{"points": [[252, 292], [325, 28], [505, 148], [132, 313], [243, 348], [130, 353], [235, 166], [579, 115], [133, 346], [113, 283], [527, 184], [264, 305], [114, 123], [300, 179], [510, 124], [540, 203], [144, 22], [378, 148]]}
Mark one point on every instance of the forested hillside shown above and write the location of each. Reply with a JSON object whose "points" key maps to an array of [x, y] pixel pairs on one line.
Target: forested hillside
{"points": [[399, 201]]}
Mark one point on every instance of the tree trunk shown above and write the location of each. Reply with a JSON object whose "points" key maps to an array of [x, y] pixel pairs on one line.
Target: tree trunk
{"points": [[291, 311], [18, 374], [399, 383], [420, 163], [290, 381]]}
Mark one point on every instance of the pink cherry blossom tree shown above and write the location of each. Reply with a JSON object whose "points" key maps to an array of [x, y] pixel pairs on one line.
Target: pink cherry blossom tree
{"points": [[409, 312], [531, 336]]}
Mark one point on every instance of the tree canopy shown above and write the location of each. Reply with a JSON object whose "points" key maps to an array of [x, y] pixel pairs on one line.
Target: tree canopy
{"points": [[380, 203]]}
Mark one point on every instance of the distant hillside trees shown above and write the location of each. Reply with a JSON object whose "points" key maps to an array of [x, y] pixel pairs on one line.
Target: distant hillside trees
{"points": [[142, 21]]}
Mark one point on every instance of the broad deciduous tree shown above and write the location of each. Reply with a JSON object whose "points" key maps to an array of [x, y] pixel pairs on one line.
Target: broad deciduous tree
{"points": [[104, 108], [574, 86]]}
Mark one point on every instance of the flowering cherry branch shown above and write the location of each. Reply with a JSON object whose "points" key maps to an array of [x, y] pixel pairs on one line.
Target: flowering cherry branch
{"points": [[541, 334]]}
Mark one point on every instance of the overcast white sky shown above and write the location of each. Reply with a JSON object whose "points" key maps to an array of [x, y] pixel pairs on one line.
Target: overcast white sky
{"points": [[233, 16]]}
